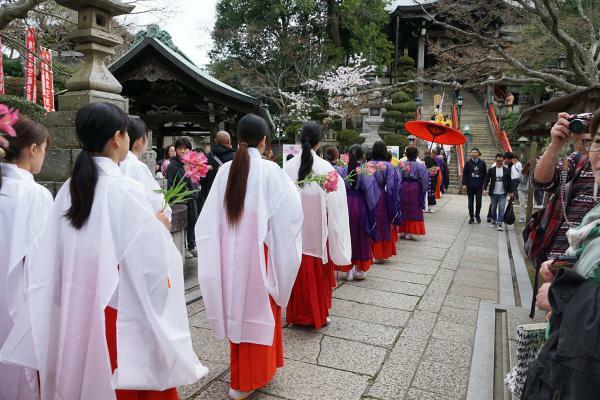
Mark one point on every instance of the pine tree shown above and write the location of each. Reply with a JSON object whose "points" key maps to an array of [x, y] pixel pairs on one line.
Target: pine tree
{"points": [[402, 106]]}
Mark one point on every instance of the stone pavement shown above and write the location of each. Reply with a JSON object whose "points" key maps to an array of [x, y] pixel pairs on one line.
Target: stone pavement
{"points": [[406, 332]]}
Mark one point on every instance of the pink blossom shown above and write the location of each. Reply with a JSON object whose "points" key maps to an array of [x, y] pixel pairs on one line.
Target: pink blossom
{"points": [[407, 169], [195, 166], [4, 109], [345, 158], [358, 170], [380, 165], [7, 121], [331, 182], [370, 169]]}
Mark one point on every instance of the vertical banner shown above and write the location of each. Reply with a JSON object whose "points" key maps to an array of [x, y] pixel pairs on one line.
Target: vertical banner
{"points": [[47, 78], [2, 91], [30, 90]]}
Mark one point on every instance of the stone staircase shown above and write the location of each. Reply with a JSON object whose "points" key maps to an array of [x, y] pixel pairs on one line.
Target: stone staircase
{"points": [[472, 114]]}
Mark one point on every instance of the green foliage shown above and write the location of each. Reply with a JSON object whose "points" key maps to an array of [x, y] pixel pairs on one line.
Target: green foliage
{"points": [[13, 67], [406, 70], [533, 89], [348, 137], [291, 130], [510, 121], [395, 139], [176, 194], [32, 110], [362, 33]]}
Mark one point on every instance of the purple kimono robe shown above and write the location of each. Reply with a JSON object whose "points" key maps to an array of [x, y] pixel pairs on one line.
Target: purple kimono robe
{"points": [[362, 201], [414, 190], [387, 212]]}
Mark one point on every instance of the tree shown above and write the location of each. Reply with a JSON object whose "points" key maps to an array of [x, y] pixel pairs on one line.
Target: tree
{"points": [[348, 137], [516, 41], [395, 139], [402, 107]]}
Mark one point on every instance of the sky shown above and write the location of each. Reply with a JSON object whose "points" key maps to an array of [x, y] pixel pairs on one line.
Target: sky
{"points": [[189, 23]]}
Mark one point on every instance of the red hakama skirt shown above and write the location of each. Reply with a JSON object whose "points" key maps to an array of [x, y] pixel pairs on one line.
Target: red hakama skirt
{"points": [[253, 365], [382, 249], [438, 186], [110, 316], [311, 296], [413, 227]]}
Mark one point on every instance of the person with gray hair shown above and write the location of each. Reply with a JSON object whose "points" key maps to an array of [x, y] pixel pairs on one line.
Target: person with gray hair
{"points": [[221, 152]]}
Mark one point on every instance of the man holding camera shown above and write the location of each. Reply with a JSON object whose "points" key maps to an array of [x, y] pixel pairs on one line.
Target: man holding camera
{"points": [[577, 182]]}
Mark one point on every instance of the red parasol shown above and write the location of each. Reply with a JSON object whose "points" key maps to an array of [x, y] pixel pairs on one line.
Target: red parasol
{"points": [[435, 133]]}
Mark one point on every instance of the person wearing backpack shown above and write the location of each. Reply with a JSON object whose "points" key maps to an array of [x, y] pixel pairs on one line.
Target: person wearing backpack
{"points": [[221, 152]]}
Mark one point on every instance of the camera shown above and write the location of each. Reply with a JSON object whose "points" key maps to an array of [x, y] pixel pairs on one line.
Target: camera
{"points": [[579, 123]]}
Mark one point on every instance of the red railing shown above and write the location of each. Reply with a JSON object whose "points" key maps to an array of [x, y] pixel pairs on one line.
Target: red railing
{"points": [[459, 148], [500, 133]]}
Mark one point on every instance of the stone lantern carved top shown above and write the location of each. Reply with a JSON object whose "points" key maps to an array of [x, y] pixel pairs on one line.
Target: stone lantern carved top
{"points": [[111, 7]]}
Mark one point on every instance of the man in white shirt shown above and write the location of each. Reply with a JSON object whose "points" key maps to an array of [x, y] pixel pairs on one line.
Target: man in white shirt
{"points": [[515, 168], [498, 184]]}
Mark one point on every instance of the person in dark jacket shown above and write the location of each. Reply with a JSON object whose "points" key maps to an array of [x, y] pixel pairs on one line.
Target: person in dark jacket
{"points": [[221, 152], [498, 183], [473, 179], [176, 172]]}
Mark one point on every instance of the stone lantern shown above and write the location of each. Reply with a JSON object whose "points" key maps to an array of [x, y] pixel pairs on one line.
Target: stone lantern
{"points": [[96, 40]]}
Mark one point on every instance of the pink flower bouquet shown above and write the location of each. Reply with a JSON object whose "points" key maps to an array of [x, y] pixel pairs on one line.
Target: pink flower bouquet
{"points": [[195, 165], [8, 119], [343, 160], [328, 182], [433, 171]]}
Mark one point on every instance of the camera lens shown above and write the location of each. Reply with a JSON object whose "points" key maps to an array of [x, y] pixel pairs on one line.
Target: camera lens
{"points": [[576, 126]]}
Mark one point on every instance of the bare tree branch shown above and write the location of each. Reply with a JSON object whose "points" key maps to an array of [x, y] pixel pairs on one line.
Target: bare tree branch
{"points": [[20, 9]]}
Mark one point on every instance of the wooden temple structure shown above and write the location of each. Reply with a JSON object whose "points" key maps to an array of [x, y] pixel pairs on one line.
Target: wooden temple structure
{"points": [[174, 97]]}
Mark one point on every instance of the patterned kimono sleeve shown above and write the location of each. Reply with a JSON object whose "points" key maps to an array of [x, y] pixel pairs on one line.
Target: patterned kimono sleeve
{"points": [[555, 182]]}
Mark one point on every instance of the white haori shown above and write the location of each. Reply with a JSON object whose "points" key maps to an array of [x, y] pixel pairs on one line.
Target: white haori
{"points": [[24, 209], [235, 282], [325, 215], [138, 171], [122, 253]]}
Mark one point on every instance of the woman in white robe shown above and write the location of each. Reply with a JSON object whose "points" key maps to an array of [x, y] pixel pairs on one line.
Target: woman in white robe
{"points": [[325, 234], [138, 171], [106, 292], [248, 238], [24, 209]]}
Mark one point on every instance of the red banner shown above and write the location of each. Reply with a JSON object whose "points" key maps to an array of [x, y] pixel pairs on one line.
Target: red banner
{"points": [[47, 78], [30, 89], [2, 91]]}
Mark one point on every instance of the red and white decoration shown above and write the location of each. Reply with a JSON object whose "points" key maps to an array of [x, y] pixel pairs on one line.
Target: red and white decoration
{"points": [[47, 77], [30, 87]]}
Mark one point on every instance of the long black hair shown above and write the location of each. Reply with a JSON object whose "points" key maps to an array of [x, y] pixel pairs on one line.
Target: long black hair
{"points": [[380, 152], [250, 132], [310, 136], [136, 129], [96, 124], [356, 154], [28, 132]]}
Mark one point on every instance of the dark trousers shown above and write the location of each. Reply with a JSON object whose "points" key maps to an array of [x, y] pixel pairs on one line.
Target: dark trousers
{"points": [[192, 216], [474, 196]]}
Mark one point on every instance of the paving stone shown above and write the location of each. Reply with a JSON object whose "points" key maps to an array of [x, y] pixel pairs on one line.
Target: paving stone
{"points": [[459, 315], [422, 252], [458, 301], [454, 332], [443, 379], [419, 326], [418, 394], [302, 381], [477, 282], [301, 345], [199, 320], [214, 371], [396, 275], [449, 352], [482, 293], [483, 275], [208, 347], [376, 297], [369, 313], [218, 391], [361, 331], [351, 356], [414, 268], [412, 289], [410, 259], [385, 392], [195, 308]]}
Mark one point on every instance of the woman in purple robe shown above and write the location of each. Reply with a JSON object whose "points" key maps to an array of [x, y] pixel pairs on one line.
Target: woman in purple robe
{"points": [[415, 181], [363, 193], [387, 213], [430, 163]]}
